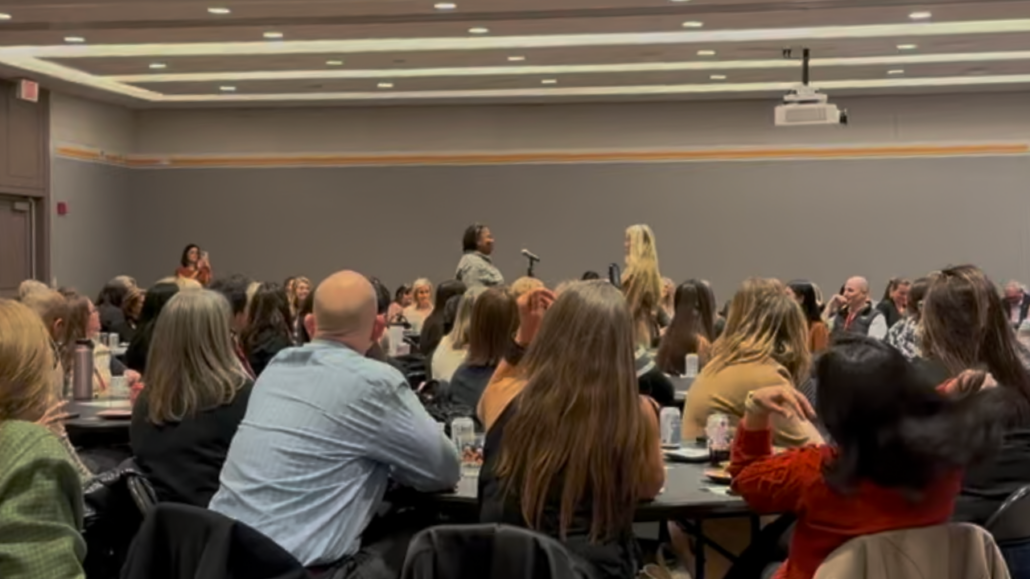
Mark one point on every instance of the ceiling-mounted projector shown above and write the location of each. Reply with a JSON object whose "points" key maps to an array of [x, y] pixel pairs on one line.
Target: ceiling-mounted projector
{"points": [[807, 106]]}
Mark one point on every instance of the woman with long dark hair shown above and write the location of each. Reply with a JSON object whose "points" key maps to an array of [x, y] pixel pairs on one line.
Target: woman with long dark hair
{"points": [[574, 447], [153, 303], [494, 319], [109, 304], [268, 326], [692, 330], [895, 462], [904, 336], [194, 265], [803, 292], [435, 328], [965, 328], [894, 304]]}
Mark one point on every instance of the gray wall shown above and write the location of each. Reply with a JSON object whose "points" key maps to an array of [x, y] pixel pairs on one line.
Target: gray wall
{"points": [[824, 220], [91, 243]]}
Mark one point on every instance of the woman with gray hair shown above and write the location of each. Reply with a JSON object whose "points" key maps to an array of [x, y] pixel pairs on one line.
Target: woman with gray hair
{"points": [[195, 397]]}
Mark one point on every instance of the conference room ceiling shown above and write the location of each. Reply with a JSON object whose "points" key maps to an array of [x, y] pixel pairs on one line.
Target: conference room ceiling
{"points": [[165, 53]]}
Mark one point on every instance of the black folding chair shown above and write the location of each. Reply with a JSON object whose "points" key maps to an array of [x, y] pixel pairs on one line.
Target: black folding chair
{"points": [[1010, 527]]}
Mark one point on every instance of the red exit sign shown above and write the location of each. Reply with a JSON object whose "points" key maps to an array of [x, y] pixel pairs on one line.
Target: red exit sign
{"points": [[28, 90]]}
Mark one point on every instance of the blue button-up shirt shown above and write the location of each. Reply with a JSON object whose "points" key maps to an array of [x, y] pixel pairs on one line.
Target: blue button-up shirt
{"points": [[324, 430]]}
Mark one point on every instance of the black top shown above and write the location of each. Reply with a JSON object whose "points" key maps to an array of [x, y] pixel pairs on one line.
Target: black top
{"points": [[468, 383], [612, 559], [890, 312], [183, 460], [263, 347], [139, 347]]}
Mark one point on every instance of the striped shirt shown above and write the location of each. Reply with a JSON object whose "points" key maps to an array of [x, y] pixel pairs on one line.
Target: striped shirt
{"points": [[324, 430]]}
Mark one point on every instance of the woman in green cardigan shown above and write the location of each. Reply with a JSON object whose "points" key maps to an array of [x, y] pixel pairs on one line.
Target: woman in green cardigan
{"points": [[40, 492]]}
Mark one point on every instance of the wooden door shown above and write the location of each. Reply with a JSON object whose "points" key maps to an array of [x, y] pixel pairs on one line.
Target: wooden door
{"points": [[16, 243]]}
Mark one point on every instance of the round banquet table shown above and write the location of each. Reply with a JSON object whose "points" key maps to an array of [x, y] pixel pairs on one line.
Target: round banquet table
{"points": [[88, 430]]}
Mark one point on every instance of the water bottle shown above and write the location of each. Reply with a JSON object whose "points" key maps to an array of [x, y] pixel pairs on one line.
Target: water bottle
{"points": [[463, 430], [670, 426], [82, 370], [691, 366]]}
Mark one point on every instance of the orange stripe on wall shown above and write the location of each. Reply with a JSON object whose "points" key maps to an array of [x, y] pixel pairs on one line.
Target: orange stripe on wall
{"points": [[551, 157]]}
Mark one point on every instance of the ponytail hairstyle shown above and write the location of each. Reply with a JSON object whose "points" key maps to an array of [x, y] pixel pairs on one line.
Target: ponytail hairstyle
{"points": [[890, 425]]}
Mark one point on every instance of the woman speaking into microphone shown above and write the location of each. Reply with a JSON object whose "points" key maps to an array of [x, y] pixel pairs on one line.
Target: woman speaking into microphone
{"points": [[476, 268]]}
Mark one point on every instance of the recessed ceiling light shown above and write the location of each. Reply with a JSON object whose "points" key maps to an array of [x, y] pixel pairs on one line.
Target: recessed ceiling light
{"points": [[516, 58], [74, 39], [896, 71], [549, 81], [5, 16], [219, 10], [273, 35], [718, 77], [227, 88], [479, 30], [920, 15], [693, 24], [334, 62], [385, 85], [158, 65], [706, 53], [445, 5], [907, 46]]}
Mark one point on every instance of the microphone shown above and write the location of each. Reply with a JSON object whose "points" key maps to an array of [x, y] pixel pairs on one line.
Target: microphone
{"points": [[530, 255]]}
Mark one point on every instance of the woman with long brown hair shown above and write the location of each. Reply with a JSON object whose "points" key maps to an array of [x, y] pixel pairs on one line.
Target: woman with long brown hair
{"points": [[577, 447], [765, 344], [642, 285], [965, 327], [894, 304], [692, 329], [84, 325], [196, 395], [42, 498], [494, 318], [269, 330]]}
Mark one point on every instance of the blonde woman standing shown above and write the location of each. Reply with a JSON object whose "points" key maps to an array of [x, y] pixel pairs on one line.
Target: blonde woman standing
{"points": [[422, 304], [196, 395], [642, 285], [40, 492]]}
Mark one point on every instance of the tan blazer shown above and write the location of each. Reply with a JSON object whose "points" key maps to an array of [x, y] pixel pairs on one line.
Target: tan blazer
{"points": [[726, 390], [954, 551]]}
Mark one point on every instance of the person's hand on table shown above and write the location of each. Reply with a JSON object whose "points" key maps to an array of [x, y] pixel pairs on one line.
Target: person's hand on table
{"points": [[532, 307]]}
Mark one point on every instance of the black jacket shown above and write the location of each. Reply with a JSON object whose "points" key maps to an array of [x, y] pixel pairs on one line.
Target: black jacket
{"points": [[112, 319], [890, 312], [262, 347], [184, 542]]}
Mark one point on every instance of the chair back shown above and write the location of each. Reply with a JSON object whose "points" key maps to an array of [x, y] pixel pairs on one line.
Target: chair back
{"points": [[495, 551], [952, 551], [1011, 522]]}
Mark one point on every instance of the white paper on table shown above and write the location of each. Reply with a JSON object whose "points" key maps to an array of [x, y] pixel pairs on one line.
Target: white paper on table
{"points": [[688, 453]]}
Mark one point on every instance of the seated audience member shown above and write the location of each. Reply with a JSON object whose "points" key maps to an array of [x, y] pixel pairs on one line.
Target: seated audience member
{"points": [[524, 285], [803, 293], [84, 324], [377, 351], [894, 304], [301, 291], [422, 304], [453, 348], [157, 297], [895, 461], [290, 286], [765, 344], [590, 276], [691, 331], [720, 319], [668, 300], [52, 308], [1017, 302], [268, 326], [194, 265], [238, 289], [476, 268], [402, 298], [642, 285], [29, 286], [195, 397], [132, 307], [40, 491], [904, 336], [109, 305], [305, 320], [567, 418], [494, 319], [434, 328], [851, 312], [325, 430], [965, 326]]}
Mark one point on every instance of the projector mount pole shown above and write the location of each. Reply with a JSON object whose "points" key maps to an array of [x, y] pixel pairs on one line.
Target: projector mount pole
{"points": [[788, 53]]}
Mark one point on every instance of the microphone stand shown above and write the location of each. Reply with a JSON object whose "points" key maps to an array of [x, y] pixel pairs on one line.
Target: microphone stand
{"points": [[532, 262]]}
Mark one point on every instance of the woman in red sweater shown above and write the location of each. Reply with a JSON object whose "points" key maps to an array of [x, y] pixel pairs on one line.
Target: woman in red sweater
{"points": [[894, 463]]}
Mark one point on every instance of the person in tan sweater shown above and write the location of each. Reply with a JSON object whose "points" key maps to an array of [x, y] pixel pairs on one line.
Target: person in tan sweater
{"points": [[765, 344]]}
